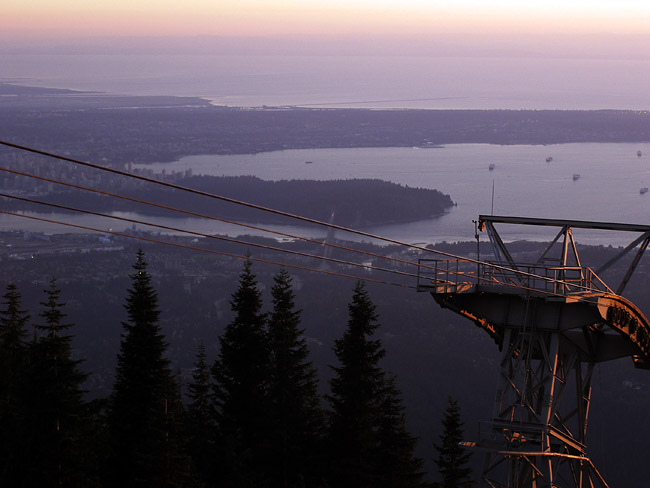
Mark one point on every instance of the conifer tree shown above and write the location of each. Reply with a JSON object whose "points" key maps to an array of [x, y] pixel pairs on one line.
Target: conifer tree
{"points": [[295, 414], [13, 353], [200, 425], [396, 461], [141, 420], [55, 411], [240, 388], [369, 443], [452, 459], [356, 397], [13, 364], [13, 329]]}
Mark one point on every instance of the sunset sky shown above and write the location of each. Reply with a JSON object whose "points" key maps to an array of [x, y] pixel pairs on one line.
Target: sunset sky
{"points": [[73, 18]]}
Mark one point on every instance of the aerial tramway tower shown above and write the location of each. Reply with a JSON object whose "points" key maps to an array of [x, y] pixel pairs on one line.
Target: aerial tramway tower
{"points": [[553, 319]]}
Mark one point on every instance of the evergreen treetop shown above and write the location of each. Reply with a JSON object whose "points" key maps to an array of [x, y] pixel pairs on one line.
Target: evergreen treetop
{"points": [[142, 368], [141, 424], [198, 392], [13, 356], [295, 415], [293, 376], [56, 412], [240, 371], [200, 419], [142, 300], [54, 348], [13, 324], [369, 443], [358, 379], [452, 458], [240, 395], [52, 312], [356, 395], [13, 366]]}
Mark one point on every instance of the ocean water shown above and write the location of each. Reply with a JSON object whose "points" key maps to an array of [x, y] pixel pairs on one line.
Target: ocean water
{"points": [[522, 184], [349, 81]]}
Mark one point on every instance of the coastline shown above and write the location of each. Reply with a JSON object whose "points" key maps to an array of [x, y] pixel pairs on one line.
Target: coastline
{"points": [[119, 130]]}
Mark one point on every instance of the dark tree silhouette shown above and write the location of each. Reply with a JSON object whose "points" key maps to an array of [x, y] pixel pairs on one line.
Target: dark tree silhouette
{"points": [[452, 458], [200, 425], [142, 423], [13, 363], [295, 415], [356, 396], [396, 461], [240, 389], [368, 442], [13, 328], [55, 411]]}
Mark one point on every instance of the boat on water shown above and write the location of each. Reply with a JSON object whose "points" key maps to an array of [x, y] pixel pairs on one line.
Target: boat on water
{"points": [[308, 162], [549, 159], [429, 145], [639, 153], [576, 176], [492, 166], [643, 190]]}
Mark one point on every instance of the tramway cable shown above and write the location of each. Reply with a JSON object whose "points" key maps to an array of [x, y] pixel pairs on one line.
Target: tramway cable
{"points": [[228, 239], [209, 236], [211, 251], [226, 199], [274, 211], [210, 217]]}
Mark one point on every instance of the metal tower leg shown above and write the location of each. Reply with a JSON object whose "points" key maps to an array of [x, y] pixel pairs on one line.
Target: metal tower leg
{"points": [[552, 320], [536, 438]]}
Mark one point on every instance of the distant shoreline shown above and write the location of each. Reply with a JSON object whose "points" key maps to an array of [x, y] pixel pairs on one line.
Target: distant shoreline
{"points": [[121, 129]]}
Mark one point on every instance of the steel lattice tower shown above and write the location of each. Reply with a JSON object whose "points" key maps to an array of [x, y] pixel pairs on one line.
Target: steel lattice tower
{"points": [[552, 320]]}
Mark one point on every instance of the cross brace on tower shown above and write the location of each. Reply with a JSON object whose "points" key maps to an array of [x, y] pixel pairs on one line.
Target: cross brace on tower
{"points": [[553, 320]]}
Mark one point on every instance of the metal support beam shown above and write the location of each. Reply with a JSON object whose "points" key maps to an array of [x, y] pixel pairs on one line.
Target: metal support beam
{"points": [[486, 222], [537, 435], [542, 258], [501, 251], [576, 224], [631, 246], [630, 270]]}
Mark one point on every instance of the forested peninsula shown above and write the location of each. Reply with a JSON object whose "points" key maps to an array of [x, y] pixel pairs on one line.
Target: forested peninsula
{"points": [[353, 203]]}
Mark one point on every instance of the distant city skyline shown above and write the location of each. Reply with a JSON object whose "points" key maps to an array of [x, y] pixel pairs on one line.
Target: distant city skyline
{"points": [[624, 21]]}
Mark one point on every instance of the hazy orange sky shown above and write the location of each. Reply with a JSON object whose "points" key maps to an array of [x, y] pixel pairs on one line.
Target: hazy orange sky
{"points": [[73, 18]]}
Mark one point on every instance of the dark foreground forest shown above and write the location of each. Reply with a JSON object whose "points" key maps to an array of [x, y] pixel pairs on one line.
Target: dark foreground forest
{"points": [[417, 357], [252, 417]]}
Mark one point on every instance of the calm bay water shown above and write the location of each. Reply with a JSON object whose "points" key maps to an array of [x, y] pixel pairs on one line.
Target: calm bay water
{"points": [[611, 176]]}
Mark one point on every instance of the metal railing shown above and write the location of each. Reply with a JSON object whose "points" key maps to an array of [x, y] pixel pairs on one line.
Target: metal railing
{"points": [[454, 275]]}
